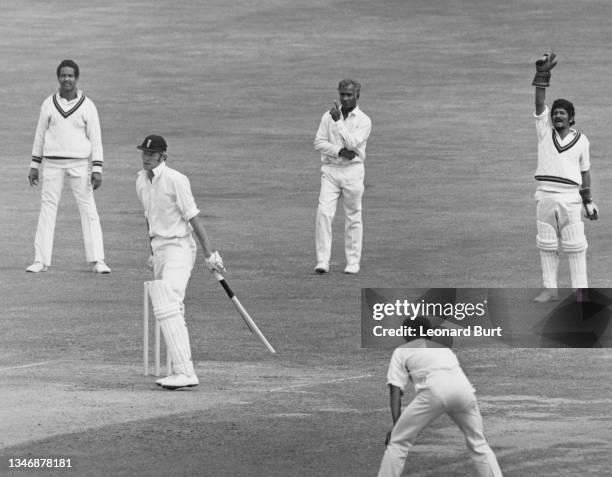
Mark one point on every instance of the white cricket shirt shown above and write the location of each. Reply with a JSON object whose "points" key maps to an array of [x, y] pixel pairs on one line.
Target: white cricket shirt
{"points": [[351, 133], [416, 360], [168, 202], [560, 161]]}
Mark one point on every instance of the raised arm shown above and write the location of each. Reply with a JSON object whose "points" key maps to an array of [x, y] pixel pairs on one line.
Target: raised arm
{"points": [[541, 80]]}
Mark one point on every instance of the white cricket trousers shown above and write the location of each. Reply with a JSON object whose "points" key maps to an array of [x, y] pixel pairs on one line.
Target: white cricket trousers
{"points": [[173, 261], [53, 173], [559, 216], [448, 392], [336, 181]]}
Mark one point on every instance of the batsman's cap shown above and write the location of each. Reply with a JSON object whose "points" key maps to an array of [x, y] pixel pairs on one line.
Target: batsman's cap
{"points": [[153, 143]]}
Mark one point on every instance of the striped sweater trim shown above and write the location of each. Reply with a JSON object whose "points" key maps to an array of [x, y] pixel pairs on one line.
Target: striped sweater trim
{"points": [[560, 180], [560, 148], [37, 159], [97, 163], [65, 114], [64, 157]]}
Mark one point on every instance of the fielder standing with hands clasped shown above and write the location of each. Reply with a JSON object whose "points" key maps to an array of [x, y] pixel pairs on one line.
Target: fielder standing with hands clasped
{"points": [[172, 217], [564, 186], [341, 140], [441, 387], [67, 135]]}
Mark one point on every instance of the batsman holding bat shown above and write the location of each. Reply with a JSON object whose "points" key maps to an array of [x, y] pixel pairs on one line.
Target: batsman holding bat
{"points": [[564, 185], [172, 217]]}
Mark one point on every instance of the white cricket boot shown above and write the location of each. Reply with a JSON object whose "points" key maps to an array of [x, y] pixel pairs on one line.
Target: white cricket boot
{"points": [[177, 381], [322, 267], [101, 267], [548, 294], [352, 269], [36, 267]]}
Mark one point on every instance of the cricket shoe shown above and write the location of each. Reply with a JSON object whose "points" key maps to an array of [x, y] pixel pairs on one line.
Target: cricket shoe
{"points": [[352, 269], [160, 381], [548, 294], [322, 267], [36, 267], [101, 267], [177, 381]]}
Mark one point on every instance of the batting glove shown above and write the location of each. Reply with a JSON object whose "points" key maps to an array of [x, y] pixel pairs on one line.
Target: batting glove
{"points": [[215, 263]]}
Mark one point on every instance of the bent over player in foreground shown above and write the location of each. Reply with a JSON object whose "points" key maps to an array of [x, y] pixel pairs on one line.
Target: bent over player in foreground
{"points": [[564, 186], [172, 216], [441, 387]]}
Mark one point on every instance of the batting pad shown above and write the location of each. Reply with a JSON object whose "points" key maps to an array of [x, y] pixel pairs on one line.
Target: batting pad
{"points": [[547, 237], [550, 266], [573, 238], [168, 312]]}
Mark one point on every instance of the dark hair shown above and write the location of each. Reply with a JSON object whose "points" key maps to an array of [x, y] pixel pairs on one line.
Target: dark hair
{"points": [[567, 106], [416, 324], [69, 64], [349, 82]]}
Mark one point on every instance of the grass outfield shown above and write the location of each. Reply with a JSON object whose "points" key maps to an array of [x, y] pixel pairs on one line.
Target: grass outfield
{"points": [[238, 90]]}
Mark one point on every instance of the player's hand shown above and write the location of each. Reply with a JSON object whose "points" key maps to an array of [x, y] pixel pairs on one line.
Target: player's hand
{"points": [[215, 263], [335, 111], [33, 177], [96, 180], [346, 154], [546, 63], [591, 210], [150, 263]]}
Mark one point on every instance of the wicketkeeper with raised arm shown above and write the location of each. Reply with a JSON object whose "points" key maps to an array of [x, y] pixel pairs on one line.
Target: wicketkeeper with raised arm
{"points": [[564, 185]]}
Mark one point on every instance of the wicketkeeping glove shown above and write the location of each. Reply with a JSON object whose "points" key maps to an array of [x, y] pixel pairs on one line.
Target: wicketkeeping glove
{"points": [[543, 67], [591, 210], [215, 263]]}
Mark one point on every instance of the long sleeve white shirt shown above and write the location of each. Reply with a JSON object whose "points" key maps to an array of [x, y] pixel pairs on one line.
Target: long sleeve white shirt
{"points": [[351, 133], [560, 161], [68, 130]]}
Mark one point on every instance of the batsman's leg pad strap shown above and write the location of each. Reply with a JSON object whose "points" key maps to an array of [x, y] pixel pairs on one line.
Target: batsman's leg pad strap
{"points": [[547, 237], [573, 238], [164, 299]]}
